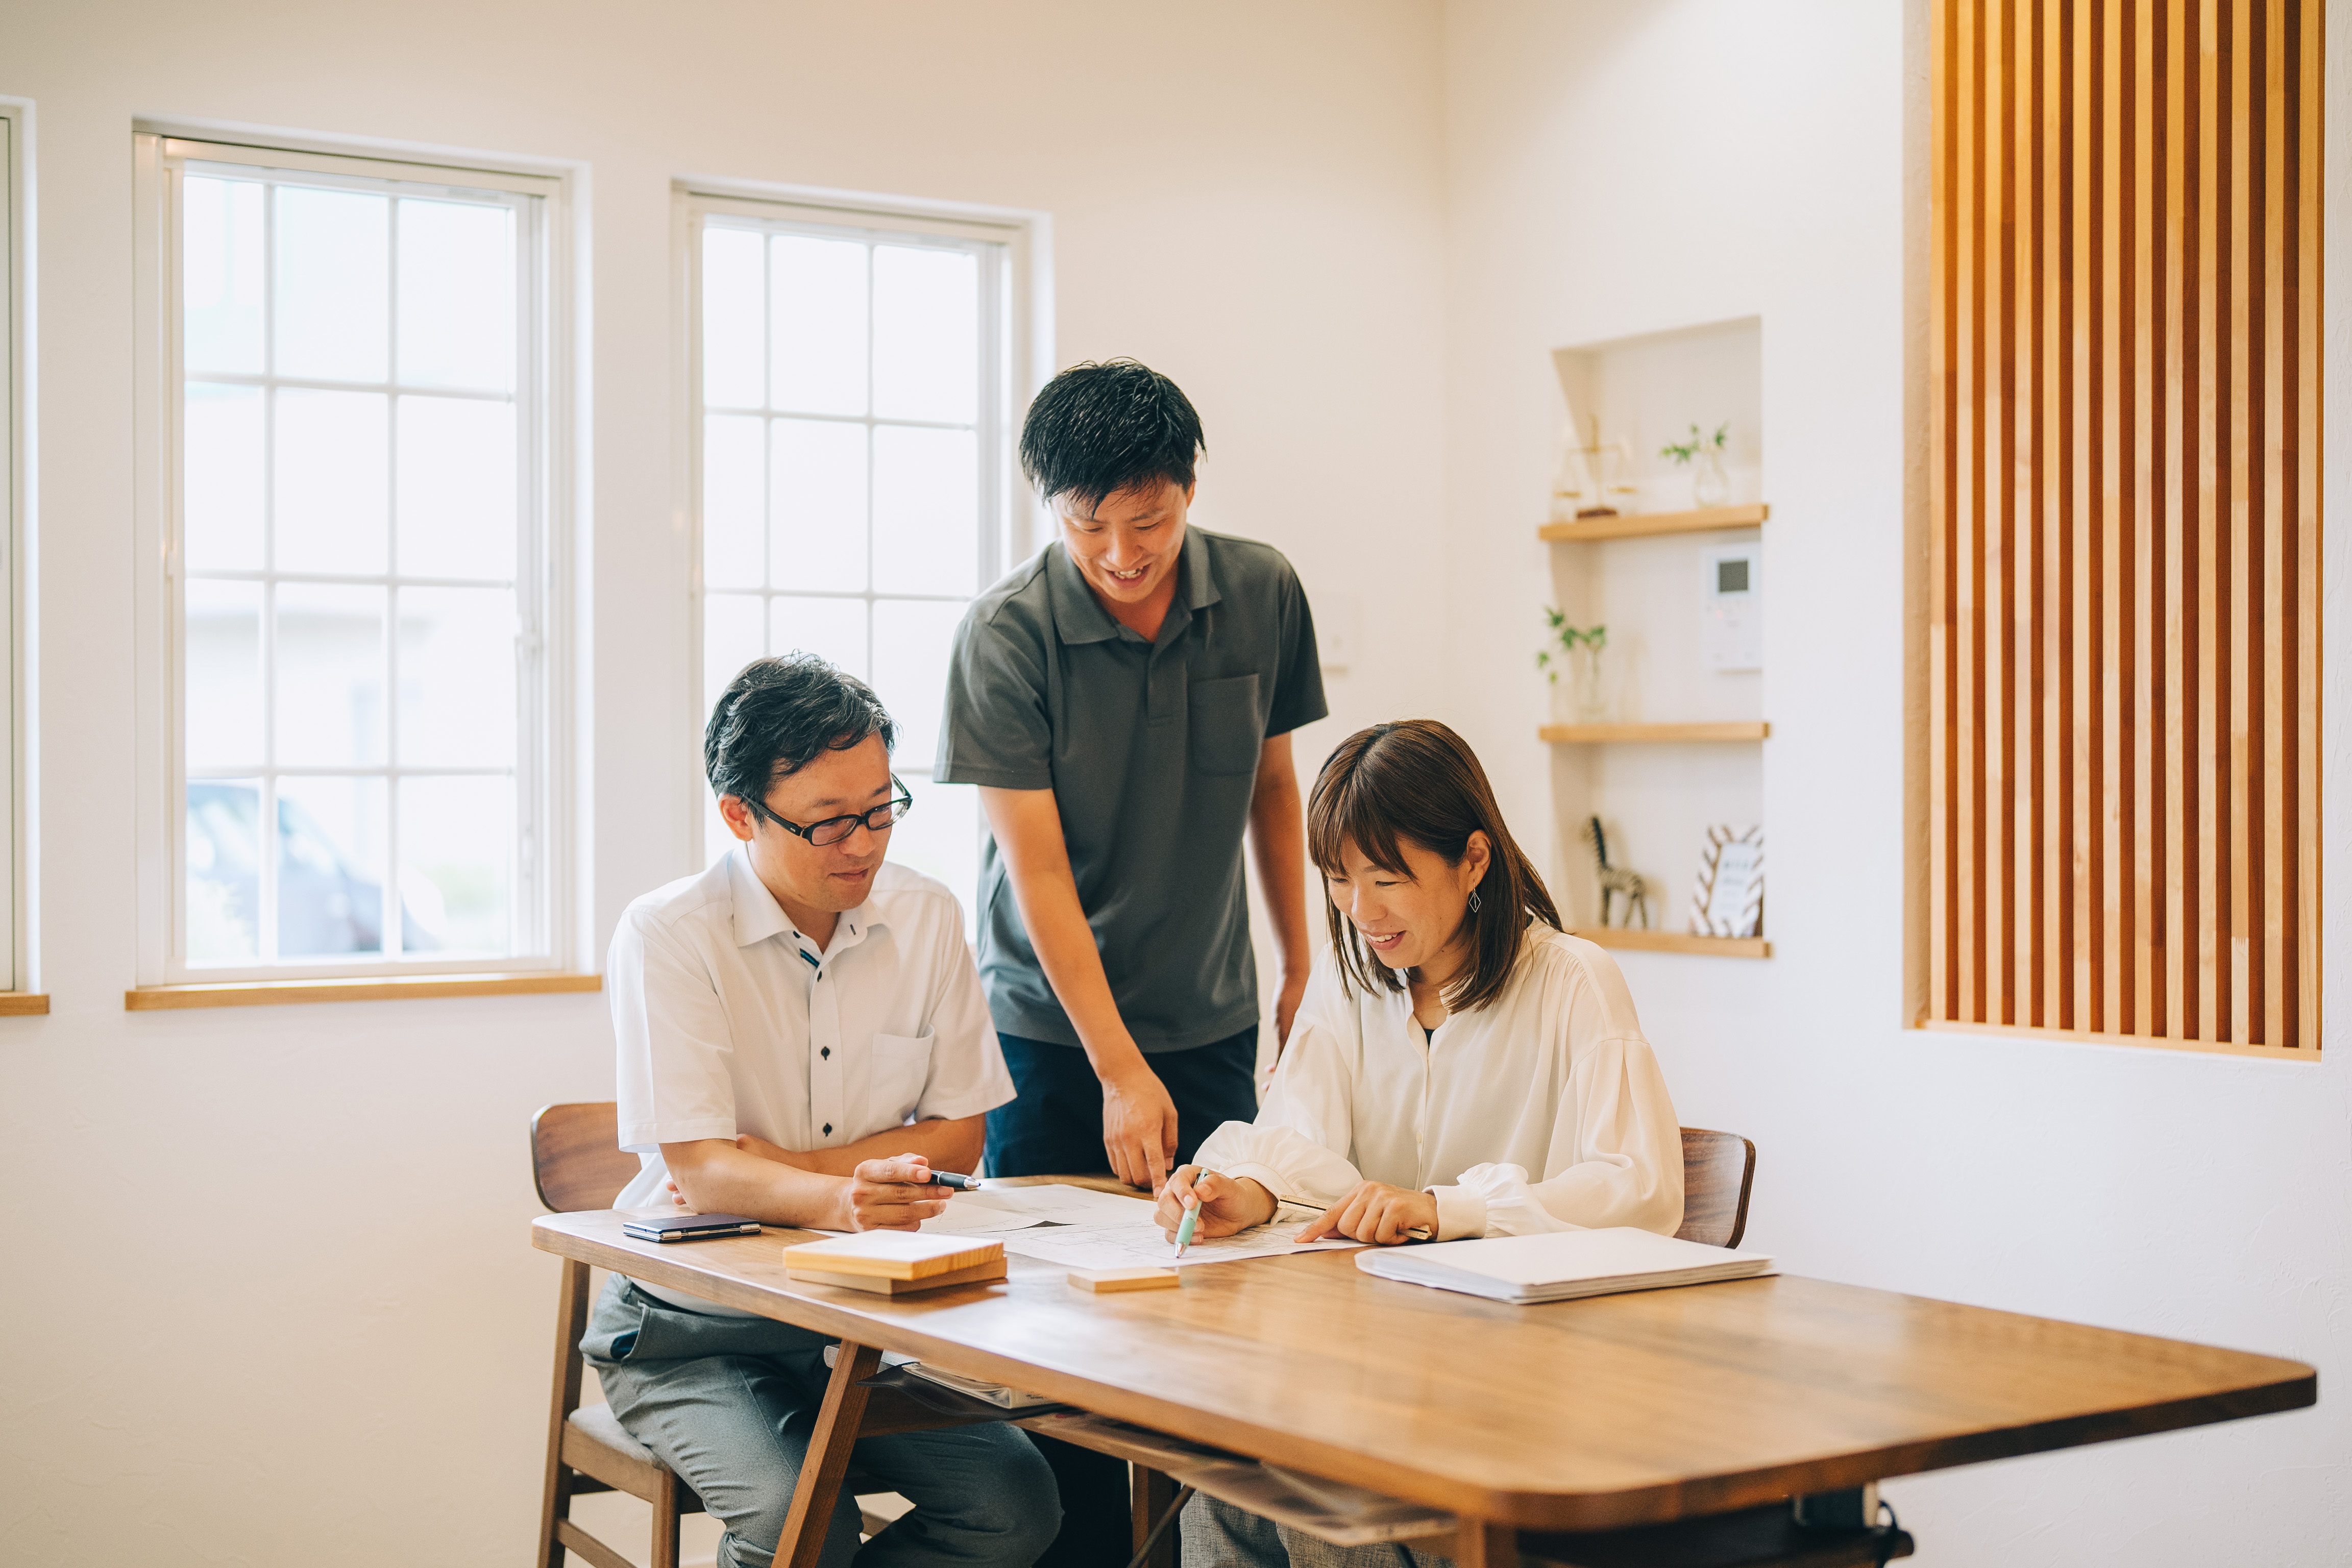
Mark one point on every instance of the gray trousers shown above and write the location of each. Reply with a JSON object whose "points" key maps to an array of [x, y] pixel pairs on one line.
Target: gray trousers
{"points": [[1219, 1535], [730, 1404]]}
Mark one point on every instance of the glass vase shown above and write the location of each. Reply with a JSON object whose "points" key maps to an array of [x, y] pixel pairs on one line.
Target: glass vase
{"points": [[1587, 702], [1710, 486]]}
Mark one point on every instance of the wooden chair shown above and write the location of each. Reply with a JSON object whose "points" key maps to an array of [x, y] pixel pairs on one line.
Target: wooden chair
{"points": [[1718, 1169], [576, 1163]]}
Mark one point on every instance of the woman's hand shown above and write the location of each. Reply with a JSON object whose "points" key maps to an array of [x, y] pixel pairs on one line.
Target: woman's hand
{"points": [[1377, 1213], [1227, 1203], [890, 1194]]}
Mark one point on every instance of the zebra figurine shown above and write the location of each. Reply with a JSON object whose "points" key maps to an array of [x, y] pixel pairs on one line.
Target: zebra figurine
{"points": [[1613, 881]]}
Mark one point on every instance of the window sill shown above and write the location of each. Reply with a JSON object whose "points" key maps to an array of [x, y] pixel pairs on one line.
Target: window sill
{"points": [[21, 1004], [388, 988]]}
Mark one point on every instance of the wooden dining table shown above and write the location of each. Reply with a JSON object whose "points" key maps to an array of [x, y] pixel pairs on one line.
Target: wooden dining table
{"points": [[1590, 1432]]}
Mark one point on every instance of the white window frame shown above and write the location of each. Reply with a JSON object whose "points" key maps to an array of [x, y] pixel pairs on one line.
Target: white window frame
{"points": [[1018, 314], [18, 948], [545, 937]]}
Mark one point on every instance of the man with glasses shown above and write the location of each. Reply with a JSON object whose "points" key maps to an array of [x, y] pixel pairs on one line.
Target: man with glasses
{"points": [[803, 1040]]}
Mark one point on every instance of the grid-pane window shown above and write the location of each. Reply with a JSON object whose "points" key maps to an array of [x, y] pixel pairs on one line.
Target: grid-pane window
{"points": [[357, 606], [852, 484]]}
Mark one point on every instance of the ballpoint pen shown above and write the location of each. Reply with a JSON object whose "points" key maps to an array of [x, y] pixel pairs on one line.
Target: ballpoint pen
{"points": [[1191, 1216], [951, 1180]]}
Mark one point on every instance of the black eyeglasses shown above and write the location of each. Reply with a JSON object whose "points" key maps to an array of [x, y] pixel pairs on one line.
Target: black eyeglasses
{"points": [[833, 829]]}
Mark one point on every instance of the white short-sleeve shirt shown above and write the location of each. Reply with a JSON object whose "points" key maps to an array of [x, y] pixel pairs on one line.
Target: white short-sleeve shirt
{"points": [[729, 1021]]}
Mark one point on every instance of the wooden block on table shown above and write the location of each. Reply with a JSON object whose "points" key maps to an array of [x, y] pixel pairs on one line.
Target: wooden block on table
{"points": [[1104, 1282], [893, 1255], [882, 1285]]}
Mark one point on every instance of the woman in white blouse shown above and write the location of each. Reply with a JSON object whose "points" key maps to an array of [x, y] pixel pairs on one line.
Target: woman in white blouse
{"points": [[1458, 1067]]}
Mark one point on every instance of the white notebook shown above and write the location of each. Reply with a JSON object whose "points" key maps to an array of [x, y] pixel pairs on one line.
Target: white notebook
{"points": [[1560, 1266]]}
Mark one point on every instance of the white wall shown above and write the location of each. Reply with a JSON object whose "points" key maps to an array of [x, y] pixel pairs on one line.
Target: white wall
{"points": [[269, 1298], [1614, 169]]}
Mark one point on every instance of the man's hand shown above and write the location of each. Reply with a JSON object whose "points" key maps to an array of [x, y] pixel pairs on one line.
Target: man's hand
{"points": [[1377, 1213], [890, 1194], [1138, 1127], [1227, 1203]]}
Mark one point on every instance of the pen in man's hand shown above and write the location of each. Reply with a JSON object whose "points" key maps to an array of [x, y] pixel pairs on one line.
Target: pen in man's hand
{"points": [[959, 1184]]}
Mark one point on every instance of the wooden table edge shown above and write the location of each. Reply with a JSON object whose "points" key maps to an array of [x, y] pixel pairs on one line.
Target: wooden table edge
{"points": [[1562, 1512]]}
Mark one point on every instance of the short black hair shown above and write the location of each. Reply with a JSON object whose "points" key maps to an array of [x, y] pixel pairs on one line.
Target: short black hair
{"points": [[1099, 429], [774, 718]]}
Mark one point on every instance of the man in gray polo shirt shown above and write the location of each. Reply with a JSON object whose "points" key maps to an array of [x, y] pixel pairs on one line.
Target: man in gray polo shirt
{"points": [[1124, 699]]}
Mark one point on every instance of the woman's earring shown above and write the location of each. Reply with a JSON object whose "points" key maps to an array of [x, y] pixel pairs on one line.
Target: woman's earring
{"points": [[1473, 900]]}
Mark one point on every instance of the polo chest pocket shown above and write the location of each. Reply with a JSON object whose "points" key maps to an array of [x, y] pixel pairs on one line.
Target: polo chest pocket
{"points": [[901, 1065], [1226, 732]]}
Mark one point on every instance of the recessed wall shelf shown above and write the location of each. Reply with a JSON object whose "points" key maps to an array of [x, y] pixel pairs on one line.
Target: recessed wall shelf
{"points": [[1640, 525], [1677, 942], [1593, 735]]}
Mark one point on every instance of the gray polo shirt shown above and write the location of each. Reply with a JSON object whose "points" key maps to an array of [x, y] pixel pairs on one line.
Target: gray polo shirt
{"points": [[1150, 750]]}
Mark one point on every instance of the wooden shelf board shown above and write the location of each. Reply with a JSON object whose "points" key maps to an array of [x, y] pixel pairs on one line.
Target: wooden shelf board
{"points": [[23, 1004], [1677, 942], [384, 988], [1576, 734], [1642, 524]]}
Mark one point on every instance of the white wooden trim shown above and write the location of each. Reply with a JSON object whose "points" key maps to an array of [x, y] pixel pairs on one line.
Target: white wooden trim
{"points": [[423, 159], [19, 951], [153, 429], [368, 173], [548, 931]]}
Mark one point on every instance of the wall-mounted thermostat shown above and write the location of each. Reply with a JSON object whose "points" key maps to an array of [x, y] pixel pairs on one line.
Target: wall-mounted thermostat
{"points": [[1731, 608]]}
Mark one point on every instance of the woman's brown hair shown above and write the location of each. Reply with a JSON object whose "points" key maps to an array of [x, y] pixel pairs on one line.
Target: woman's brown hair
{"points": [[1415, 779]]}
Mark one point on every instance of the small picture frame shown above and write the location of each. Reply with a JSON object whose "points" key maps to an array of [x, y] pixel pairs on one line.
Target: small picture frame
{"points": [[1727, 896]]}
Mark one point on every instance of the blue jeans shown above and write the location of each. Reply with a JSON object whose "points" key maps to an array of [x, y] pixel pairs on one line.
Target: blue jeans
{"points": [[730, 1404], [1054, 1126]]}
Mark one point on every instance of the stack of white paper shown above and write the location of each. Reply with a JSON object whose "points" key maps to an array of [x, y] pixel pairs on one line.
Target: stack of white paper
{"points": [[1560, 1266]]}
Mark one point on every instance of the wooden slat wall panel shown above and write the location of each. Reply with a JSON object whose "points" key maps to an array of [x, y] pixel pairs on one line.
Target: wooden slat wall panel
{"points": [[2124, 576]]}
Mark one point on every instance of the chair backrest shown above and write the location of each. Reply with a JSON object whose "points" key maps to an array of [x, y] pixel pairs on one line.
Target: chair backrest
{"points": [[1717, 1169], [575, 1155]]}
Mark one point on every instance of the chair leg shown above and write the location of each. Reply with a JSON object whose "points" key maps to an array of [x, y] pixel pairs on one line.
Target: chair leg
{"points": [[828, 1461], [1482, 1543], [570, 1322], [1153, 1492], [666, 1521]]}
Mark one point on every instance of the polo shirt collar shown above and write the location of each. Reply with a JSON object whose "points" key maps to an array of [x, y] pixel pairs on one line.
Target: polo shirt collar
{"points": [[1078, 615], [758, 916], [1199, 583]]}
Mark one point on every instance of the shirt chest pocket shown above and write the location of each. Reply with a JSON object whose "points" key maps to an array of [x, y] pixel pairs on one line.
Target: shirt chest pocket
{"points": [[1227, 734], [901, 1065]]}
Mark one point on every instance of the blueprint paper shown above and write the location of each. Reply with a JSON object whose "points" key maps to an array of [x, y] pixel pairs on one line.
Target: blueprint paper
{"points": [[1060, 1203], [1132, 1246], [966, 1216]]}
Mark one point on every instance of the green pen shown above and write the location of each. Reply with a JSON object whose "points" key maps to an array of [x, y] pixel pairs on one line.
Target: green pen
{"points": [[1192, 1215]]}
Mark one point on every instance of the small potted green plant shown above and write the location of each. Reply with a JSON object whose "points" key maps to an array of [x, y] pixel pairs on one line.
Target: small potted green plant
{"points": [[1702, 454], [1576, 649]]}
